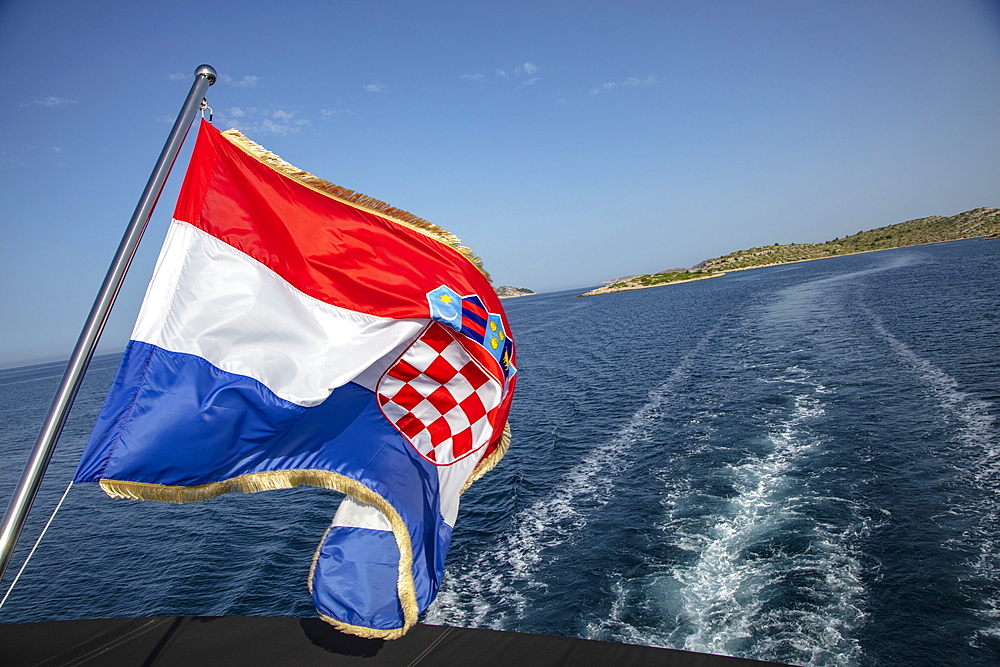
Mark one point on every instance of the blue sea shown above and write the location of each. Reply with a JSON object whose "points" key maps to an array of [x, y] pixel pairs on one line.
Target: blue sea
{"points": [[798, 463]]}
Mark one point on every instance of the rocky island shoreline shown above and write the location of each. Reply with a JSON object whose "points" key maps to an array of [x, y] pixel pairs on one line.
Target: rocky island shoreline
{"points": [[668, 277], [508, 292], [977, 223]]}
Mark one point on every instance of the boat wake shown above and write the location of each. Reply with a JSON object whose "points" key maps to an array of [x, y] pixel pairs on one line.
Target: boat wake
{"points": [[761, 576], [494, 588], [974, 439]]}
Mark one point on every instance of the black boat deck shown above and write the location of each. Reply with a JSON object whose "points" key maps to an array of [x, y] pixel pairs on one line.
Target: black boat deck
{"points": [[191, 641]]}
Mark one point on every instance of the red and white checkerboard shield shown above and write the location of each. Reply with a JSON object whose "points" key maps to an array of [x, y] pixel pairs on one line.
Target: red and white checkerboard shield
{"points": [[443, 394]]}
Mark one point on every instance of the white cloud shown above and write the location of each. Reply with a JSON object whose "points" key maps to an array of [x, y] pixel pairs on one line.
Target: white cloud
{"points": [[519, 71], [56, 149], [251, 121], [473, 77], [329, 113], [268, 125], [12, 159], [632, 81], [246, 82], [49, 101], [179, 77], [376, 87]]}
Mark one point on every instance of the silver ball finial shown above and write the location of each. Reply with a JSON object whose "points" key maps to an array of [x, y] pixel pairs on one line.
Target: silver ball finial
{"points": [[208, 72]]}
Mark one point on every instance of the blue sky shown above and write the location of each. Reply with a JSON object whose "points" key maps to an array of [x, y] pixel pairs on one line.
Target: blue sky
{"points": [[565, 142]]}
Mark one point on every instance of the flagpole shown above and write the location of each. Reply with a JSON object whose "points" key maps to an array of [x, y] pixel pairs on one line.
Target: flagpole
{"points": [[34, 469]]}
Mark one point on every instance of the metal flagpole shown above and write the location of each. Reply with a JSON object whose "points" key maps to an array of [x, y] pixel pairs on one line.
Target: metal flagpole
{"points": [[34, 469]]}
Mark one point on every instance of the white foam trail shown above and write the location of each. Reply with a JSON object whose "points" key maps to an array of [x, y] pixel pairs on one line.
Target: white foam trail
{"points": [[973, 415], [470, 591], [723, 595], [722, 601], [976, 433]]}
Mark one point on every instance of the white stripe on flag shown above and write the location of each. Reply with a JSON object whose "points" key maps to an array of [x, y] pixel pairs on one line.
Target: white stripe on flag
{"points": [[353, 513], [210, 300], [356, 514], [451, 479]]}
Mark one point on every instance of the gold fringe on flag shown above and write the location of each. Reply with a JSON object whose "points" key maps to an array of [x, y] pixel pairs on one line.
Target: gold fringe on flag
{"points": [[352, 198], [286, 479]]}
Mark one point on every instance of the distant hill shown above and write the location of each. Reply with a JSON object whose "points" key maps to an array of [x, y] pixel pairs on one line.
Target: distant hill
{"points": [[971, 224], [655, 280], [506, 291], [979, 222], [618, 280]]}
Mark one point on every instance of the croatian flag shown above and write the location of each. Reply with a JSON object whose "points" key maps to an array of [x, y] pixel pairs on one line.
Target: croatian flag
{"points": [[298, 333]]}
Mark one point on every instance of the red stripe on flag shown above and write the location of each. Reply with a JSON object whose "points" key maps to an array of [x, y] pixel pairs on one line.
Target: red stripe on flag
{"points": [[473, 307], [475, 326], [326, 248]]}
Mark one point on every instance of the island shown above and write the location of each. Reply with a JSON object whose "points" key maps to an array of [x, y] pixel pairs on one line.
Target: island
{"points": [[981, 223], [670, 276], [508, 292]]}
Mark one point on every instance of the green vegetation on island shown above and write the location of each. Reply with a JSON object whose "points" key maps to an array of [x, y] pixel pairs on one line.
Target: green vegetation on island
{"points": [[935, 229], [671, 276], [653, 280], [978, 223]]}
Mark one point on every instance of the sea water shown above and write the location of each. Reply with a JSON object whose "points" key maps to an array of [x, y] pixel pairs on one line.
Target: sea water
{"points": [[799, 463]]}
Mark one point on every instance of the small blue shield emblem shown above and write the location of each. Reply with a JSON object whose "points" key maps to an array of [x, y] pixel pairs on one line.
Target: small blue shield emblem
{"points": [[446, 306], [496, 337]]}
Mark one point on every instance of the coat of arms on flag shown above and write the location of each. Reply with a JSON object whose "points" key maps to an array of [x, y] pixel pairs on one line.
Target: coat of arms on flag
{"points": [[441, 396], [297, 333]]}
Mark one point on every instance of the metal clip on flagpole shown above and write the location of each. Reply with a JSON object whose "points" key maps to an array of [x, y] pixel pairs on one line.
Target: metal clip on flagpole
{"points": [[204, 105], [34, 470]]}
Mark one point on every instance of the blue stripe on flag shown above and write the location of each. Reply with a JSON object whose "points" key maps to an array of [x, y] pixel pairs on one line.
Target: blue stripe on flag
{"points": [[355, 578], [176, 419]]}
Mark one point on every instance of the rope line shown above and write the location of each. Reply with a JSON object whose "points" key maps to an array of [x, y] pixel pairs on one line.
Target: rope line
{"points": [[37, 542]]}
